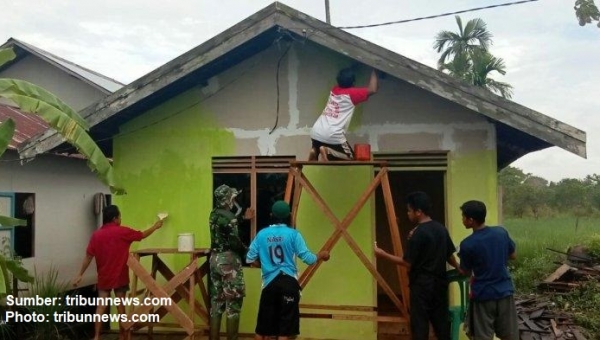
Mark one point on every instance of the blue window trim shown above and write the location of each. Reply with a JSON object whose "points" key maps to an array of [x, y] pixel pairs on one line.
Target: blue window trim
{"points": [[10, 195]]}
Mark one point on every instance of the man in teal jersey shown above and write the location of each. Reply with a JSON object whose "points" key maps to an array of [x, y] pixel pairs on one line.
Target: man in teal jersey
{"points": [[276, 247]]}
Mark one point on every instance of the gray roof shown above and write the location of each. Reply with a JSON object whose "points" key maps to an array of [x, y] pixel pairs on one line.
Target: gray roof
{"points": [[519, 130], [103, 83]]}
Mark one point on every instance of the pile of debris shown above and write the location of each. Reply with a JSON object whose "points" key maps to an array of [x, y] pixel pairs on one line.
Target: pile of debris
{"points": [[579, 268], [537, 321]]}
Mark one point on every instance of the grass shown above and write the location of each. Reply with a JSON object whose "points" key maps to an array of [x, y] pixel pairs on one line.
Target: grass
{"points": [[535, 262]]}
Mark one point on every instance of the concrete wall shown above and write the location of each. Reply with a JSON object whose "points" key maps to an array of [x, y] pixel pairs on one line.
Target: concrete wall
{"points": [[75, 92], [64, 218], [167, 166]]}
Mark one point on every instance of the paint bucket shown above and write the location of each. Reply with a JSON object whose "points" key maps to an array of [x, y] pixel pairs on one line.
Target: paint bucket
{"points": [[362, 152], [185, 242]]}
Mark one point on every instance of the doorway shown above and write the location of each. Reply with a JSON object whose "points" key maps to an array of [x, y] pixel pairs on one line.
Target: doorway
{"points": [[403, 182]]}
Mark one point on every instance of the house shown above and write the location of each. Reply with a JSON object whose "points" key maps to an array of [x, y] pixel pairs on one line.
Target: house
{"points": [[238, 107], [54, 193]]}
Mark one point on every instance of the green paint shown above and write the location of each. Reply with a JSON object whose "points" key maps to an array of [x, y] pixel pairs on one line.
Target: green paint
{"points": [[470, 176], [343, 280]]}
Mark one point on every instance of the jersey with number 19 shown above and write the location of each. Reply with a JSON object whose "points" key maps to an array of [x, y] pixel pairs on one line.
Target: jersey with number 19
{"points": [[277, 247]]}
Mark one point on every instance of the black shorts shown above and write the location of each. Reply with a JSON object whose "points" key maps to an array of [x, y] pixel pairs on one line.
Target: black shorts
{"points": [[279, 311], [341, 152]]}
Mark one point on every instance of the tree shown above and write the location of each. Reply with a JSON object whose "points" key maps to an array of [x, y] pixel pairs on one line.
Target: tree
{"points": [[586, 11], [466, 56], [474, 36], [476, 71]]}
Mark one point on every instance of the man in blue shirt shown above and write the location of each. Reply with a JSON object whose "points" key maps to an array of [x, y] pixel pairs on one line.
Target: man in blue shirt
{"points": [[484, 254], [274, 249]]}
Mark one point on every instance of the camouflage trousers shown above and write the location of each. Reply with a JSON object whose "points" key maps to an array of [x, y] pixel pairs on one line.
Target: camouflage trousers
{"points": [[227, 287]]}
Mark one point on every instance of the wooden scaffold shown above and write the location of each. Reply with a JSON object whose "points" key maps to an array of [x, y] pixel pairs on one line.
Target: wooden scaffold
{"points": [[298, 182]]}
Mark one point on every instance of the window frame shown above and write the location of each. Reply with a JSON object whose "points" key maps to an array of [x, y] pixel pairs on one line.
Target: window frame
{"points": [[252, 165]]}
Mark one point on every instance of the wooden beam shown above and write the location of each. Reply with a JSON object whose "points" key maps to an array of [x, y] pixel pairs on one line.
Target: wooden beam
{"points": [[339, 307], [333, 239], [395, 236], [162, 292]]}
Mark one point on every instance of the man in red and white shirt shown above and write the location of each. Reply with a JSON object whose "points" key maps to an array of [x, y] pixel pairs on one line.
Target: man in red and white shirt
{"points": [[328, 134]]}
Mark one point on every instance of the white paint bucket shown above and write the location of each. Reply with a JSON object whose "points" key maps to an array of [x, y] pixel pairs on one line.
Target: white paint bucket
{"points": [[185, 242]]}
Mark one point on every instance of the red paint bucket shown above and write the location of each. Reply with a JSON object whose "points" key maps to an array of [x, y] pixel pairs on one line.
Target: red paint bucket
{"points": [[362, 152]]}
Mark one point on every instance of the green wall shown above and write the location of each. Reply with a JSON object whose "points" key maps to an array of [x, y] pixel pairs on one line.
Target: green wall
{"points": [[343, 280]]}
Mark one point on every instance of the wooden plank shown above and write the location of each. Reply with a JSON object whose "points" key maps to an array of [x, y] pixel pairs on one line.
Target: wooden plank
{"points": [[339, 307], [166, 291], [557, 332], [577, 334], [203, 271], [339, 163], [183, 291], [333, 239], [536, 314], [402, 272], [558, 273], [341, 228]]}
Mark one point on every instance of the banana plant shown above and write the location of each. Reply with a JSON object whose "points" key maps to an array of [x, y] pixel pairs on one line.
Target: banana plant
{"points": [[33, 99], [7, 262], [30, 98]]}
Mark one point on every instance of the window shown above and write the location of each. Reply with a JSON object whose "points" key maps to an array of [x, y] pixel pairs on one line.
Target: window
{"points": [[21, 206], [262, 180]]}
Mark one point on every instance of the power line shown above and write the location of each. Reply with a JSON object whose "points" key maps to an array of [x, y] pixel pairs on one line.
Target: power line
{"points": [[438, 15]]}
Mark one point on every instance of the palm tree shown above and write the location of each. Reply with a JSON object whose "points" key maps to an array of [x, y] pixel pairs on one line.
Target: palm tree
{"points": [[466, 56], [474, 36]]}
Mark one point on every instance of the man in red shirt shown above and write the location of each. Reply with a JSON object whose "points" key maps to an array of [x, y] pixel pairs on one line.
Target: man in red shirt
{"points": [[110, 246], [328, 134]]}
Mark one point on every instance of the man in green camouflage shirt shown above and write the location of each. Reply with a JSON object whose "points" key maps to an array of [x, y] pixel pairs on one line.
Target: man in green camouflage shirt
{"points": [[227, 289]]}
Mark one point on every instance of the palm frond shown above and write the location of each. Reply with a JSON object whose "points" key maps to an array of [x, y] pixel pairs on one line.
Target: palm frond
{"points": [[504, 89], [33, 99], [13, 87]]}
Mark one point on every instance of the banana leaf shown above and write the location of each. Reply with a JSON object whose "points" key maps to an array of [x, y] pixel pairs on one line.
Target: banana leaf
{"points": [[19, 271], [7, 130], [6, 55], [6, 221], [30, 97], [61, 121]]}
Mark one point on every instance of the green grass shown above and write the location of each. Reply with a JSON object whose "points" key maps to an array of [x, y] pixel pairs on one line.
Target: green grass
{"points": [[534, 262]]}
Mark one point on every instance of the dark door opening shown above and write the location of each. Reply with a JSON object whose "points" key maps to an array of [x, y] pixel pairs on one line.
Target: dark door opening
{"points": [[402, 183]]}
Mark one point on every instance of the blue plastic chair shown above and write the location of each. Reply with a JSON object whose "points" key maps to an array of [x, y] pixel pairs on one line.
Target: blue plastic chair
{"points": [[457, 313]]}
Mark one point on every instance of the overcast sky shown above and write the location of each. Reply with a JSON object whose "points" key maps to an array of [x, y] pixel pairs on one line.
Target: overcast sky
{"points": [[552, 62]]}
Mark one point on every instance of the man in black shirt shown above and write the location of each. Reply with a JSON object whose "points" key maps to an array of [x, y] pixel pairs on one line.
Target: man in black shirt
{"points": [[429, 248]]}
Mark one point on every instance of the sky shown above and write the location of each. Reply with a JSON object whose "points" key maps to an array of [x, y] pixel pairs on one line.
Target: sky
{"points": [[552, 63]]}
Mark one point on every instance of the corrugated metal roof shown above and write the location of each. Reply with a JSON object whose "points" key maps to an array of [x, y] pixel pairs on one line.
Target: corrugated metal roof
{"points": [[108, 84], [26, 125]]}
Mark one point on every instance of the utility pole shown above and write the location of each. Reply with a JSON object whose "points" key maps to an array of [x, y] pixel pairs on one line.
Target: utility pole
{"points": [[327, 16]]}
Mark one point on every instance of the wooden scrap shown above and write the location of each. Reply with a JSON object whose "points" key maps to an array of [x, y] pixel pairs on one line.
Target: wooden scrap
{"points": [[558, 273], [578, 335], [557, 332], [536, 314]]}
